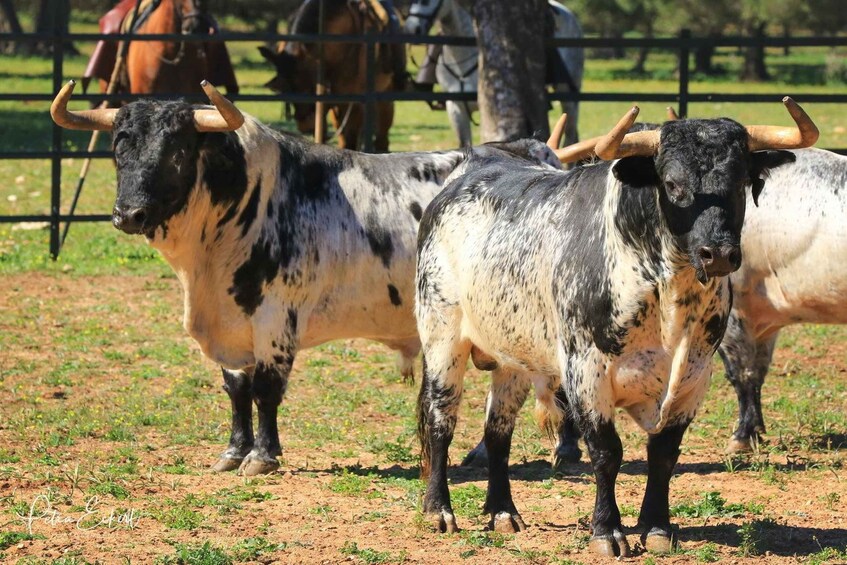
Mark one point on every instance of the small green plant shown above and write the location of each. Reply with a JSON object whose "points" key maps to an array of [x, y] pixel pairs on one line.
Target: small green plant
{"points": [[370, 556], [828, 555], [706, 554], [250, 549], [351, 484], [8, 539], [468, 500], [749, 545], [179, 516], [205, 554], [714, 505], [478, 538]]}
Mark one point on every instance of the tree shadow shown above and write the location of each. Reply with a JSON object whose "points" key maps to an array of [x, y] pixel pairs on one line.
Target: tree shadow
{"points": [[768, 536]]}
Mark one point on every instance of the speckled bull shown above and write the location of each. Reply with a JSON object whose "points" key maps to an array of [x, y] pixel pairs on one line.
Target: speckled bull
{"points": [[795, 252], [609, 280], [279, 244]]}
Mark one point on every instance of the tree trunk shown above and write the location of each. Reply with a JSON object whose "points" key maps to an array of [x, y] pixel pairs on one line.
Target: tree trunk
{"points": [[9, 23], [786, 33], [618, 52], [641, 59], [703, 58], [53, 14], [512, 101], [754, 57]]}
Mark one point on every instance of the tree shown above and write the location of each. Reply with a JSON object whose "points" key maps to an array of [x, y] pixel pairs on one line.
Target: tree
{"points": [[754, 22], [512, 101], [53, 14], [704, 19], [9, 23]]}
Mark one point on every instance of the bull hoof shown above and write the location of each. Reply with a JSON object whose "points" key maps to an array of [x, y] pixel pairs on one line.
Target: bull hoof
{"points": [[610, 545], [444, 522], [565, 455], [659, 541], [254, 465], [506, 523], [739, 445], [225, 464], [476, 457]]}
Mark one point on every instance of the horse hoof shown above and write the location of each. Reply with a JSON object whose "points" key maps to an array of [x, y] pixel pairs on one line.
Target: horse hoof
{"points": [[444, 522], [565, 455], [659, 541], [610, 545], [506, 523], [225, 464], [252, 466], [476, 457], [739, 445]]}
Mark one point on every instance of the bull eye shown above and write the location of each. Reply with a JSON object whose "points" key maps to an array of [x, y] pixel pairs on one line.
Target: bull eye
{"points": [[672, 188]]}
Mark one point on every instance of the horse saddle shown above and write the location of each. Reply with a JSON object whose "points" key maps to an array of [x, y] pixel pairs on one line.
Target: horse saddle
{"points": [[119, 20]]}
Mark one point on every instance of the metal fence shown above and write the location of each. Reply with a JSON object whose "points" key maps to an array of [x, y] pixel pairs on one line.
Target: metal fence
{"points": [[682, 45]]}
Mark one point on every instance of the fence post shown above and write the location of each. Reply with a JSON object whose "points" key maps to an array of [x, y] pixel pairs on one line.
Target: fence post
{"points": [[684, 51], [56, 159], [370, 78]]}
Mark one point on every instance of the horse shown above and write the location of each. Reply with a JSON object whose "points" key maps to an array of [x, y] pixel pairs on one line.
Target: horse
{"points": [[456, 69], [344, 68], [162, 66]]}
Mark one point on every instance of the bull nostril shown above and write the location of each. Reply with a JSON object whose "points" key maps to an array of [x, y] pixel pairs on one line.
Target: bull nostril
{"points": [[734, 258], [706, 255], [138, 216]]}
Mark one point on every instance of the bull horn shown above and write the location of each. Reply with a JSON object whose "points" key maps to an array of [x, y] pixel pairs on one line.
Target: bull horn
{"points": [[555, 140], [618, 144], [805, 134], [672, 115], [89, 120], [226, 117], [577, 151]]}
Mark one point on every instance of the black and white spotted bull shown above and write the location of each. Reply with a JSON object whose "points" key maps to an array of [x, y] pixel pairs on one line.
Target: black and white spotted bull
{"points": [[795, 248], [609, 280], [279, 244]]}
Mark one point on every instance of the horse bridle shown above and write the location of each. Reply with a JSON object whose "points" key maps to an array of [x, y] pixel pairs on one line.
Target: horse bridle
{"points": [[194, 14], [428, 18]]}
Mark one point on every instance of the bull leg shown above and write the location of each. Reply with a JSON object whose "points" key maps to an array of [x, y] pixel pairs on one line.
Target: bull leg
{"points": [[571, 108], [478, 456], [606, 452], [746, 361], [460, 119], [508, 393], [269, 384], [567, 450], [654, 521], [438, 405], [237, 386]]}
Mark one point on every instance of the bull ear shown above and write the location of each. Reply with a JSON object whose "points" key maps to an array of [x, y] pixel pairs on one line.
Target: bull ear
{"points": [[636, 172], [762, 163]]}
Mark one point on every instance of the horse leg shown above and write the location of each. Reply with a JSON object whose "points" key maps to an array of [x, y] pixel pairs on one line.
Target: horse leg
{"points": [[460, 118], [384, 121]]}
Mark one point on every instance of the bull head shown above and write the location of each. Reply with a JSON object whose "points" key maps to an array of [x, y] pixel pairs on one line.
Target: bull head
{"points": [[699, 170]]}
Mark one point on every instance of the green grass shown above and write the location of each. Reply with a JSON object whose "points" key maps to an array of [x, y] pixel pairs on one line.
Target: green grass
{"points": [[712, 504]]}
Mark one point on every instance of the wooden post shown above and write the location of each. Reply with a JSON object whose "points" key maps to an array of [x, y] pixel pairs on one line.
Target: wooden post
{"points": [[320, 88]]}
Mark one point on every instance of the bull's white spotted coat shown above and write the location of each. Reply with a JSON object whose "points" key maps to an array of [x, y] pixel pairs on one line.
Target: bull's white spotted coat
{"points": [[343, 293], [795, 246], [491, 284]]}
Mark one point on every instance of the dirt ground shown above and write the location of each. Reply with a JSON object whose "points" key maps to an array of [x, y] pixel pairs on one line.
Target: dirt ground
{"points": [[107, 403]]}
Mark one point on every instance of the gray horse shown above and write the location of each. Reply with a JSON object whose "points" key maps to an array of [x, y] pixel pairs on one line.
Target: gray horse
{"points": [[456, 69]]}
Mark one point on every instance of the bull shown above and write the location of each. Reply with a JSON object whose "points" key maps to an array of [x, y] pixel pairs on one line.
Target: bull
{"points": [[279, 244], [609, 281]]}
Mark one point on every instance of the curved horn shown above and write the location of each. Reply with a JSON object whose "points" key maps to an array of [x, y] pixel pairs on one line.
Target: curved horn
{"points": [[226, 117], [555, 140], [577, 151], [672, 115], [98, 119], [775, 137], [618, 144]]}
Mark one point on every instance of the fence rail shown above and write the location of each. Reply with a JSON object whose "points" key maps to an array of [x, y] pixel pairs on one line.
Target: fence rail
{"points": [[682, 45]]}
